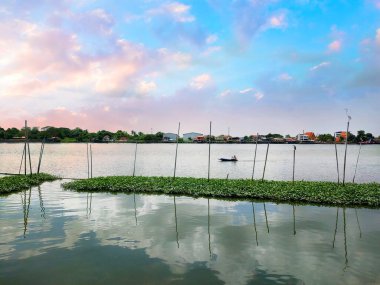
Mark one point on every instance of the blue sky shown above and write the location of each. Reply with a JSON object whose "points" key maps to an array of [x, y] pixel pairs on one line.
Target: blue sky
{"points": [[254, 66]]}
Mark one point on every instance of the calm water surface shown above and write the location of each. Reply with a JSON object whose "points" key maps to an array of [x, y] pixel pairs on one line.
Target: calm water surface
{"points": [[52, 236], [313, 162]]}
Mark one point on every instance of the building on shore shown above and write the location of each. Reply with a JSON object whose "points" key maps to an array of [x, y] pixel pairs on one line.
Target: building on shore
{"points": [[188, 137], [340, 136], [169, 137], [303, 138]]}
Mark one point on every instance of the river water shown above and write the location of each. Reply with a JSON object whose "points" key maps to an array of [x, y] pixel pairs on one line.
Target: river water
{"points": [[313, 162], [52, 236]]}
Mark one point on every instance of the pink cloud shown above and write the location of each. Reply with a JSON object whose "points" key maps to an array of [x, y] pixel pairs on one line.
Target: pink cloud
{"points": [[335, 46], [277, 21], [177, 11], [201, 81]]}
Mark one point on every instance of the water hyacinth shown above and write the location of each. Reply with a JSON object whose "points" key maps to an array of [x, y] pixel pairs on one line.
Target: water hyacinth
{"points": [[21, 182], [329, 193]]}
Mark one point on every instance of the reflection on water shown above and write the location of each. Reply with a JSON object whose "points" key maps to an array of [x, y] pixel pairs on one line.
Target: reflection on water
{"points": [[105, 238]]}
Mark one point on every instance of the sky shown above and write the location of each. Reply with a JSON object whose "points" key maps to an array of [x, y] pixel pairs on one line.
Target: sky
{"points": [[246, 65]]}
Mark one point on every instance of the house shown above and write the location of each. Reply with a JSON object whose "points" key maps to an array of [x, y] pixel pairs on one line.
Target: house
{"points": [[341, 135], [302, 138], [200, 139], [234, 140], [191, 136], [169, 137], [123, 139], [222, 138], [311, 135], [106, 138]]}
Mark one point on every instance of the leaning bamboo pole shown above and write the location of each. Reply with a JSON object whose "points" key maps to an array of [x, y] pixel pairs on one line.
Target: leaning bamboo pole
{"points": [[345, 150], [209, 153], [176, 150], [254, 158]]}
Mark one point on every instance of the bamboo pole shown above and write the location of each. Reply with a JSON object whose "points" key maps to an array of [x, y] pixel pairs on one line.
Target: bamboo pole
{"points": [[30, 161], [345, 150], [176, 150], [294, 162], [134, 203], [209, 153], [176, 222], [22, 159], [25, 149], [266, 218], [336, 156], [88, 162], [41, 154], [254, 159], [134, 163], [265, 164], [357, 219], [345, 239], [254, 223], [91, 160], [357, 161], [294, 220], [208, 226], [336, 225]]}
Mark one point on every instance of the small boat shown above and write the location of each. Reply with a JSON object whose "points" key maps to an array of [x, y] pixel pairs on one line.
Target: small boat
{"points": [[233, 159]]}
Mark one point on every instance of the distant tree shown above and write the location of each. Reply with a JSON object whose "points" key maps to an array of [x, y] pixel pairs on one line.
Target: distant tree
{"points": [[273, 136], [2, 133], [159, 136], [325, 138], [12, 132]]}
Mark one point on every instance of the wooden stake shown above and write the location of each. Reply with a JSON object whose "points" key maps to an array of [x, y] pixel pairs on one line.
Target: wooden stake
{"points": [[176, 150], [254, 159]]}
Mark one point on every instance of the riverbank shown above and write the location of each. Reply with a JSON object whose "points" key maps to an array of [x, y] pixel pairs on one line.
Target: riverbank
{"points": [[324, 193], [17, 183]]}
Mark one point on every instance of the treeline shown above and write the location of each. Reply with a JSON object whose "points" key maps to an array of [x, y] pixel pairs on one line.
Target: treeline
{"points": [[361, 136], [77, 135], [80, 135]]}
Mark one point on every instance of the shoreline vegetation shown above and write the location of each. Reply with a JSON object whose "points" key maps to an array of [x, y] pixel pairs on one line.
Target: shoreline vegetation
{"points": [[308, 192], [16, 183], [65, 135]]}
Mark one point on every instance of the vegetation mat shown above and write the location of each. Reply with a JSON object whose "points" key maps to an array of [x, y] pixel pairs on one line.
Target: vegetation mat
{"points": [[281, 191], [16, 183]]}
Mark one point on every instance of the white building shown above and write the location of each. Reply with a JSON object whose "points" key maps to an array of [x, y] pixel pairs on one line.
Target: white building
{"points": [[302, 138], [191, 136], [169, 137]]}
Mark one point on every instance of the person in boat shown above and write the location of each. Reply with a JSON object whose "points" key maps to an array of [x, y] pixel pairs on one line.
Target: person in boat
{"points": [[234, 157]]}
